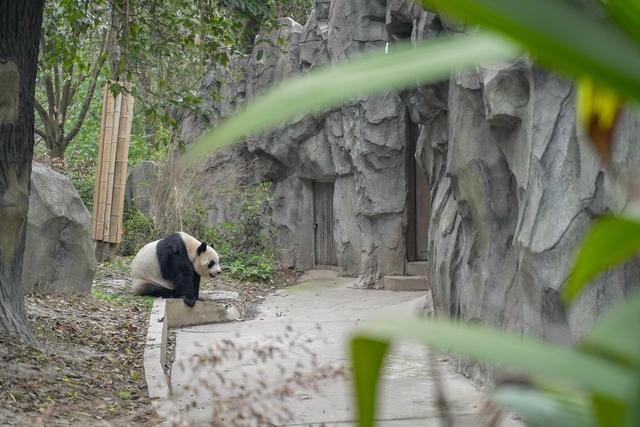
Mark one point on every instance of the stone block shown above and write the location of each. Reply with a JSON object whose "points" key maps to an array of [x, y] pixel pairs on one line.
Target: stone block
{"points": [[405, 283]]}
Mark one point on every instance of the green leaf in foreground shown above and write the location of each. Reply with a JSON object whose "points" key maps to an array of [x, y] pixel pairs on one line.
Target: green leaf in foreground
{"points": [[609, 413], [560, 35], [404, 66], [610, 241], [616, 335], [529, 355], [543, 409], [627, 13], [368, 358]]}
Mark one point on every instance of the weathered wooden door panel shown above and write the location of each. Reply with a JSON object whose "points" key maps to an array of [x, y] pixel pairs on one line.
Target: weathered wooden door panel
{"points": [[422, 216], [325, 252], [417, 202]]}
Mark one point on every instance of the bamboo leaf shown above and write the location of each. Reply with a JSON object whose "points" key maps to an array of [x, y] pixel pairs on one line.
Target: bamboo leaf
{"points": [[543, 409], [529, 355], [609, 413], [617, 334], [610, 241], [560, 35], [633, 413], [404, 66], [367, 356], [627, 13]]}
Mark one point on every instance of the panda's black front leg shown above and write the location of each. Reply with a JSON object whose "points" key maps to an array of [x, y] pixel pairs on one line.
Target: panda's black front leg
{"points": [[185, 288], [196, 285]]}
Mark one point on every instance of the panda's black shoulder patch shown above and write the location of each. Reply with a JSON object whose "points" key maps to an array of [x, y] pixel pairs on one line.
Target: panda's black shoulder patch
{"points": [[173, 257]]}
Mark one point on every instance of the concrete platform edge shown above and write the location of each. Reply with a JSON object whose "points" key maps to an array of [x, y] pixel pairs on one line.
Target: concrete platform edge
{"points": [[165, 314]]}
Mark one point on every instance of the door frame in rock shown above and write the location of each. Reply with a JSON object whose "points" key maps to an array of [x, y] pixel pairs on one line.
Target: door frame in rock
{"points": [[418, 209], [324, 246]]}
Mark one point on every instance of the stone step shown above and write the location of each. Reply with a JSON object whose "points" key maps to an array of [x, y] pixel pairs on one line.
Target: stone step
{"points": [[417, 268], [405, 283]]}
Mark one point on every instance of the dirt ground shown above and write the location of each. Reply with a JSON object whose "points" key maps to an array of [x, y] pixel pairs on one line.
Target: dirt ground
{"points": [[86, 368]]}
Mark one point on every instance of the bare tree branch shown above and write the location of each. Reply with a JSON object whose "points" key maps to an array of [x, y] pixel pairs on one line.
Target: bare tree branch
{"points": [[51, 100], [40, 133], [42, 112], [95, 72], [56, 83], [48, 83], [66, 90], [48, 121]]}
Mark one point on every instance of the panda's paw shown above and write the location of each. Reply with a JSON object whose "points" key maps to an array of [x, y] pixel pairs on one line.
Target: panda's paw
{"points": [[189, 301]]}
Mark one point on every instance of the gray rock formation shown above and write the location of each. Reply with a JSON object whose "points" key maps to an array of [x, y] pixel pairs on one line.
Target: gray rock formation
{"points": [[512, 197], [141, 180], [512, 187], [59, 253]]}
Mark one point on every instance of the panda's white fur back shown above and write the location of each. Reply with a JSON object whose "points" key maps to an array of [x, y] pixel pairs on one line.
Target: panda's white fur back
{"points": [[145, 270]]}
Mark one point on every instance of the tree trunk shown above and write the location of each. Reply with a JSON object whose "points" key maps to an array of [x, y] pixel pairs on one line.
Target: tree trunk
{"points": [[56, 145], [20, 22], [249, 33], [119, 44]]}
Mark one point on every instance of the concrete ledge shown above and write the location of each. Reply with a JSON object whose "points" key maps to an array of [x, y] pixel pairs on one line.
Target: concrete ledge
{"points": [[173, 313], [405, 283], [179, 314], [421, 306], [417, 268], [153, 360]]}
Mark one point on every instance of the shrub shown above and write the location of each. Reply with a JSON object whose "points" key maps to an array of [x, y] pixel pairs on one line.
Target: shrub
{"points": [[195, 221], [253, 268], [140, 149], [80, 169], [175, 201], [245, 244], [174, 206], [138, 230], [84, 182]]}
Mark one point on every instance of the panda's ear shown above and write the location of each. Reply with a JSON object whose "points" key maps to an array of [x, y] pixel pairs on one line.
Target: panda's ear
{"points": [[202, 248]]}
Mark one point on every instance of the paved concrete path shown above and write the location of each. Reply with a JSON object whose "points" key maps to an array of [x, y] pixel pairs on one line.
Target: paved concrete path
{"points": [[322, 310]]}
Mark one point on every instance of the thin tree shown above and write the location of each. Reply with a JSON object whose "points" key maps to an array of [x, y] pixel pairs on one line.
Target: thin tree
{"points": [[20, 24], [72, 54]]}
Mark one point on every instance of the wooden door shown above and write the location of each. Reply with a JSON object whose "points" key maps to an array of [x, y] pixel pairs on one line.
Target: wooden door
{"points": [[417, 202], [325, 250]]}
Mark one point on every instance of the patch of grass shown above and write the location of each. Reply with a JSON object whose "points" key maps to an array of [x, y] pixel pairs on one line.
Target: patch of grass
{"points": [[119, 263], [252, 267], [143, 301]]}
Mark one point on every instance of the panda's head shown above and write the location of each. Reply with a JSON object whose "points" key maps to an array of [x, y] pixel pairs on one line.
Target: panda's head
{"points": [[206, 263]]}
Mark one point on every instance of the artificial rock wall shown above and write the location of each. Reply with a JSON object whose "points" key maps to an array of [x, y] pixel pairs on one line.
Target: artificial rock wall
{"points": [[512, 190], [361, 147]]}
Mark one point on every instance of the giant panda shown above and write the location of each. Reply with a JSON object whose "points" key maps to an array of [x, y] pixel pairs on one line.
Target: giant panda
{"points": [[172, 267]]}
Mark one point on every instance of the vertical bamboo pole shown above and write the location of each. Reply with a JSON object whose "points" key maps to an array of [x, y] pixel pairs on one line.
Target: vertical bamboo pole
{"points": [[96, 190], [103, 175], [120, 174], [112, 166]]}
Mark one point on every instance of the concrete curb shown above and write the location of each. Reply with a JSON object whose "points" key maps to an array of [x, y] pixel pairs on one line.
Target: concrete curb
{"points": [[173, 313]]}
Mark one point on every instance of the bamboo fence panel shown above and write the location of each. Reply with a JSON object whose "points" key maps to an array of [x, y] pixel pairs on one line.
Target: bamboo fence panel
{"points": [[102, 174], [113, 146], [115, 133], [120, 174]]}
